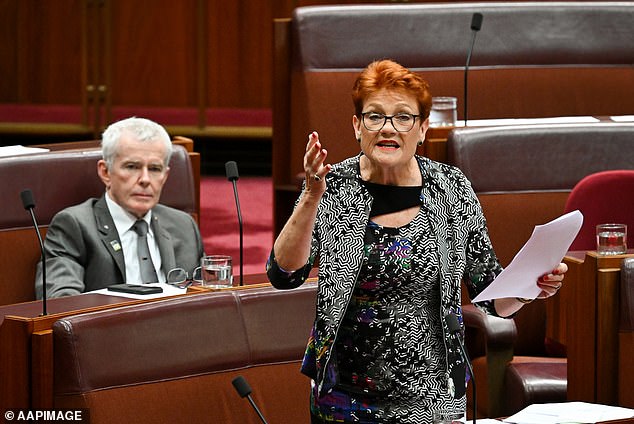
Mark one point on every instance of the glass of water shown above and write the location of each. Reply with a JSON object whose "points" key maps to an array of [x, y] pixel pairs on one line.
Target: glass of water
{"points": [[443, 112], [217, 272], [448, 416], [611, 239]]}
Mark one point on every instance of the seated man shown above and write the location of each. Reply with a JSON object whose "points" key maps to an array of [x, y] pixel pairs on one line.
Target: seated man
{"points": [[125, 236]]}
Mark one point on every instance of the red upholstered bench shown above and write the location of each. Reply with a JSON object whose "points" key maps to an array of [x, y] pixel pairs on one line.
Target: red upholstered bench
{"points": [[174, 360]]}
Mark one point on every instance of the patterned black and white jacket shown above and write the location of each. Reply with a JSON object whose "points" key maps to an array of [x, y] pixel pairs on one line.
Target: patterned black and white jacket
{"points": [[463, 248]]}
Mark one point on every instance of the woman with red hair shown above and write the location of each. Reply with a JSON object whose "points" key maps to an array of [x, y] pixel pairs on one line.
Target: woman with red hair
{"points": [[395, 234]]}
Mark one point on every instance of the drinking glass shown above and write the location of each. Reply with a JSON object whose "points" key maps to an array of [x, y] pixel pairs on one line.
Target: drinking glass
{"points": [[217, 271], [443, 112], [611, 239], [448, 416]]}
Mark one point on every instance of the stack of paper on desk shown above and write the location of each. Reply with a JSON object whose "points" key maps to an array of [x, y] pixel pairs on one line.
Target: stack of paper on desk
{"points": [[569, 412]]}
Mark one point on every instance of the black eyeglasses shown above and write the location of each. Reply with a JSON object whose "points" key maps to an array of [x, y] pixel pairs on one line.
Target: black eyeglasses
{"points": [[402, 122], [178, 277]]}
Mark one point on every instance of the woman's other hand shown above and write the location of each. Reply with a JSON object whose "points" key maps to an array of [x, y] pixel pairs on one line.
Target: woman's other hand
{"points": [[551, 283]]}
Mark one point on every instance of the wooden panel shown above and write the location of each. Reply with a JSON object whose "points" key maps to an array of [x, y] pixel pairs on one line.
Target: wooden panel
{"points": [[592, 328], [581, 333], [42, 369], [223, 52], [49, 52], [21, 252], [511, 217], [14, 365], [152, 52], [608, 281], [626, 370], [8, 50], [556, 326], [239, 53]]}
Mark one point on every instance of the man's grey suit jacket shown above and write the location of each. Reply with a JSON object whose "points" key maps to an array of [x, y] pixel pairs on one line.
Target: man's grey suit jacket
{"points": [[83, 250]]}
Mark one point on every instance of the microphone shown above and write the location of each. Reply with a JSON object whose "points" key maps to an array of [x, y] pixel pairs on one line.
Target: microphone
{"points": [[29, 205], [476, 24], [454, 329], [231, 168], [244, 390]]}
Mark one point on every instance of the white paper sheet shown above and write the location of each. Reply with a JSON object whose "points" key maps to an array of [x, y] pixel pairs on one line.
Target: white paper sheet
{"points": [[569, 412], [540, 255], [20, 150], [622, 118], [529, 121]]}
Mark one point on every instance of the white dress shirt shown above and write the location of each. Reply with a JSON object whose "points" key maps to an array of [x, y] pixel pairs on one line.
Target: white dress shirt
{"points": [[124, 221]]}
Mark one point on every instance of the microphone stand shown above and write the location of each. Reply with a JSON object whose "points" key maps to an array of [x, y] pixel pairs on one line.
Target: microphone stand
{"points": [[244, 390], [454, 329], [231, 168], [465, 358], [29, 204], [257, 410], [39, 237], [235, 194], [476, 23]]}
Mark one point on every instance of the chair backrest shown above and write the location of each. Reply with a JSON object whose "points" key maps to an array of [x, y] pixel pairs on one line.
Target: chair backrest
{"points": [[523, 174], [59, 179], [602, 197]]}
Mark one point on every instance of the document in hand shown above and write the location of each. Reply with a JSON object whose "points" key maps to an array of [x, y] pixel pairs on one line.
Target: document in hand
{"points": [[540, 255]]}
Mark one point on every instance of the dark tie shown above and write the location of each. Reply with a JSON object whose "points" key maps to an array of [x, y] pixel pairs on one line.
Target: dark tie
{"points": [[148, 274]]}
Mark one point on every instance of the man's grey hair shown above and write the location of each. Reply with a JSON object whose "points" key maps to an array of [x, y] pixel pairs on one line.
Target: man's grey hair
{"points": [[141, 129]]}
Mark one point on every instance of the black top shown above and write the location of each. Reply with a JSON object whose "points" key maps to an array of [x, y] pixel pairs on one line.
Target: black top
{"points": [[388, 198]]}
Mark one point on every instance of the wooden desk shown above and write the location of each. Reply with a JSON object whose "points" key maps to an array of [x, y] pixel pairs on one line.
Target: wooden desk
{"points": [[26, 346], [26, 342], [435, 146], [591, 305]]}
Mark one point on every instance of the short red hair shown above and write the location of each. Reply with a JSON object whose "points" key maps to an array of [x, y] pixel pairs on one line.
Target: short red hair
{"points": [[390, 75]]}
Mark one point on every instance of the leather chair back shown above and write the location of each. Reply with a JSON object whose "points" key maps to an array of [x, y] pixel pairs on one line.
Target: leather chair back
{"points": [[173, 360], [531, 59], [524, 174]]}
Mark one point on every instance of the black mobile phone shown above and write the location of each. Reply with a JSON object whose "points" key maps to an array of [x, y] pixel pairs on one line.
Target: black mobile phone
{"points": [[135, 289]]}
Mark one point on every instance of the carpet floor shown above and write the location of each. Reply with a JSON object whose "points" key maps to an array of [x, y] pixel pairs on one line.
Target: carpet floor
{"points": [[219, 220]]}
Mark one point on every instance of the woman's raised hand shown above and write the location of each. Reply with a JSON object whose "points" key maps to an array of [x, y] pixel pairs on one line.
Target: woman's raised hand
{"points": [[314, 166]]}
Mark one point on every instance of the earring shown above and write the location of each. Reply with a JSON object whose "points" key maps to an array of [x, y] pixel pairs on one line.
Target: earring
{"points": [[359, 139], [420, 142]]}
